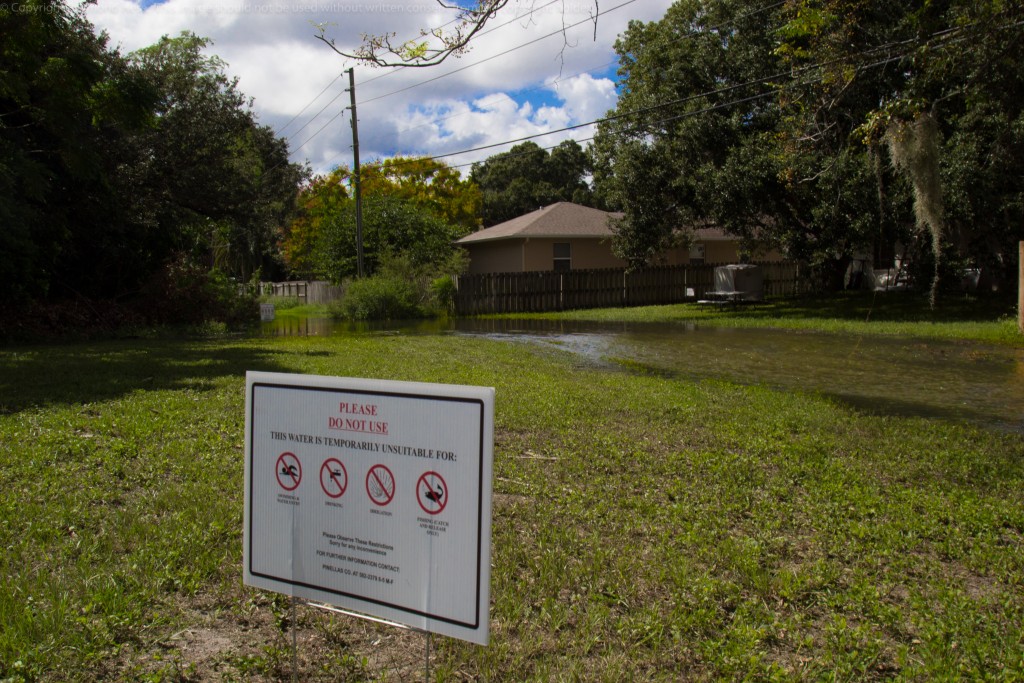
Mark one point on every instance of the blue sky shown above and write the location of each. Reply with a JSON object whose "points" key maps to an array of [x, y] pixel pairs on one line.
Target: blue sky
{"points": [[499, 91]]}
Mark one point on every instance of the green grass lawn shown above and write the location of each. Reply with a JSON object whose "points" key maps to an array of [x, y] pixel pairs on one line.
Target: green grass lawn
{"points": [[645, 528], [990, 320], [292, 308]]}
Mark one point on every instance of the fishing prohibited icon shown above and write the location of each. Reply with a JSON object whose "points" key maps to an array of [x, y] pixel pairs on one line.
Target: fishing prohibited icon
{"points": [[289, 471], [333, 478], [380, 485], [432, 493]]}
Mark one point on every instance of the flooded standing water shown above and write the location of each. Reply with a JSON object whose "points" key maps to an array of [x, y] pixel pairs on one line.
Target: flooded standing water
{"points": [[882, 375]]}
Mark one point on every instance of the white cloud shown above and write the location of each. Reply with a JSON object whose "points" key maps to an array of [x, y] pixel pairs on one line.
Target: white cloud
{"points": [[463, 103], [284, 76], [587, 98]]}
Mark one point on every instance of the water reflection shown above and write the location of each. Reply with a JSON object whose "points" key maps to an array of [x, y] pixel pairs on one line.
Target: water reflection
{"points": [[878, 374], [329, 327], [928, 378]]}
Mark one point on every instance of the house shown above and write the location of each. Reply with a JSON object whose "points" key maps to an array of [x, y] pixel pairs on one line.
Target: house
{"points": [[567, 236]]}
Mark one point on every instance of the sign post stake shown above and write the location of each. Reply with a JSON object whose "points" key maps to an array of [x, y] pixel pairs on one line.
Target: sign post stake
{"points": [[295, 644], [426, 676]]}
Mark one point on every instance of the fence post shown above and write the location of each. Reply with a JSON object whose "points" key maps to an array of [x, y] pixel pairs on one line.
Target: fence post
{"points": [[1020, 287]]}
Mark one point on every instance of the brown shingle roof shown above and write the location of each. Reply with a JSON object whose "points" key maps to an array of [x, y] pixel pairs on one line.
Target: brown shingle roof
{"points": [[567, 220], [561, 220]]}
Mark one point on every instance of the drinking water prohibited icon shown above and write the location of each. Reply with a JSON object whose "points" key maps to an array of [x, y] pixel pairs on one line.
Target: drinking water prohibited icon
{"points": [[432, 493], [289, 471], [333, 478], [380, 485]]}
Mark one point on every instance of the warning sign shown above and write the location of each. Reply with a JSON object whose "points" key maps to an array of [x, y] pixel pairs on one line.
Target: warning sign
{"points": [[380, 485], [413, 546], [289, 471], [333, 478], [432, 493]]}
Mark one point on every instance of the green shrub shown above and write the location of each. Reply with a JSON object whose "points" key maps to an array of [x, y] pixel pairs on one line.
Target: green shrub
{"points": [[184, 292], [381, 297], [402, 288], [443, 292], [281, 303]]}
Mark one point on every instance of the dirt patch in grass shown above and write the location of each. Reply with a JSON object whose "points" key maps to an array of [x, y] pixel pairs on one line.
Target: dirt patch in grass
{"points": [[251, 639]]}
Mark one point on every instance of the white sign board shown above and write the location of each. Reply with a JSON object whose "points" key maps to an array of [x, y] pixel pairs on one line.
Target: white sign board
{"points": [[373, 496]]}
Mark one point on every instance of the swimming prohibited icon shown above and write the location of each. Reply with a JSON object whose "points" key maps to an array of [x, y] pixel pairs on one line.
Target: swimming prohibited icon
{"points": [[333, 478], [432, 493], [289, 471], [380, 485]]}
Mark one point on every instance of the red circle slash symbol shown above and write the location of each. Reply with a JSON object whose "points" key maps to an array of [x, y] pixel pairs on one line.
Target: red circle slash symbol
{"points": [[432, 493], [333, 478], [289, 471], [380, 485]]}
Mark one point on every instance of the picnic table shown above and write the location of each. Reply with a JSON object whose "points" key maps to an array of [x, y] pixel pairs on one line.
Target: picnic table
{"points": [[716, 297]]}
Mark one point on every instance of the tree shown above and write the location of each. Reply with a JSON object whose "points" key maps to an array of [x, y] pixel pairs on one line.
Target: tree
{"points": [[67, 105], [866, 120], [216, 183], [324, 199], [652, 210], [110, 166], [527, 177], [427, 183], [416, 207], [567, 168], [391, 226], [941, 89], [690, 140]]}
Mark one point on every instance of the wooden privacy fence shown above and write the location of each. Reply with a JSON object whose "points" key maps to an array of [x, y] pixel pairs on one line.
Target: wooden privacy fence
{"points": [[535, 292], [306, 291]]}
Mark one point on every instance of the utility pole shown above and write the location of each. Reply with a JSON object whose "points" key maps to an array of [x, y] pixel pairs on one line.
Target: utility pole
{"points": [[355, 166]]}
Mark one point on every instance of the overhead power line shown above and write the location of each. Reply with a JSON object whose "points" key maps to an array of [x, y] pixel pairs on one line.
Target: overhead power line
{"points": [[292, 119], [500, 54], [335, 80], [596, 69], [760, 81], [319, 130], [718, 27], [468, 66], [388, 73], [492, 29]]}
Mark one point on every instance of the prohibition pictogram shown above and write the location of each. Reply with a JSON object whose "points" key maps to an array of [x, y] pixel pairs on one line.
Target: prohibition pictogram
{"points": [[289, 471], [333, 477], [380, 485], [431, 493]]}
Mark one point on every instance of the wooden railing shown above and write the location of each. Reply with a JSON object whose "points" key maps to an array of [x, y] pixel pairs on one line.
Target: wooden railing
{"points": [[306, 291], [534, 292]]}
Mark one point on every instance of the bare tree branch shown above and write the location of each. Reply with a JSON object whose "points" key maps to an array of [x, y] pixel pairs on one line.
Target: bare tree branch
{"points": [[433, 45]]}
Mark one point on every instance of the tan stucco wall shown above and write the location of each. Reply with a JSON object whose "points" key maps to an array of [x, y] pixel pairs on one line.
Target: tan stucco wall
{"points": [[674, 257], [515, 256], [504, 256], [539, 254], [728, 252], [721, 252]]}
